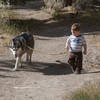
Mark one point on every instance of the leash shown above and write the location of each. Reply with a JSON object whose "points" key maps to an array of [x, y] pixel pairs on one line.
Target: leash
{"points": [[58, 53], [43, 52]]}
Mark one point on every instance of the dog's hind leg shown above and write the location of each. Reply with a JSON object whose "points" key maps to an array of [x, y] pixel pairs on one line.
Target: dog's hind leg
{"points": [[29, 57]]}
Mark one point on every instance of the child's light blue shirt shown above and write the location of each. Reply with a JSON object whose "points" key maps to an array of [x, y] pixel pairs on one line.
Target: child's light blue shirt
{"points": [[76, 43]]}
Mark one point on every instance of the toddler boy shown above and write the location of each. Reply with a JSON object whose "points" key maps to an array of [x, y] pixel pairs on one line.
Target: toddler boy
{"points": [[75, 43]]}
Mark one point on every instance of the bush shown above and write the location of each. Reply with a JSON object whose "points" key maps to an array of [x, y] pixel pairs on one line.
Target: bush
{"points": [[54, 4], [89, 92], [11, 24], [81, 4], [4, 20]]}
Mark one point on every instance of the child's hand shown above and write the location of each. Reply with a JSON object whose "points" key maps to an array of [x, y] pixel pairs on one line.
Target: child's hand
{"points": [[85, 49]]}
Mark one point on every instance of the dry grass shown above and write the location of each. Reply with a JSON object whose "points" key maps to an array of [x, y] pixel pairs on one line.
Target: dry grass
{"points": [[90, 91], [12, 23], [5, 26], [4, 40]]}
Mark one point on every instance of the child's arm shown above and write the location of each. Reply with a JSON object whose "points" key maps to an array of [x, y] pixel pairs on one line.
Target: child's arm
{"points": [[85, 49], [67, 46]]}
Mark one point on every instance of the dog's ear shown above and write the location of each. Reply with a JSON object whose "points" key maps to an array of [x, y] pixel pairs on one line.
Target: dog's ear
{"points": [[23, 43], [17, 44]]}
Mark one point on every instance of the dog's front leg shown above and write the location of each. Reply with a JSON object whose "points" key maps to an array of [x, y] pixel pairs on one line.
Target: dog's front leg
{"points": [[18, 60], [30, 58]]}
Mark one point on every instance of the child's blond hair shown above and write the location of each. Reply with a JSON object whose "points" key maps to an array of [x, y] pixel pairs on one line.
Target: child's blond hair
{"points": [[75, 27]]}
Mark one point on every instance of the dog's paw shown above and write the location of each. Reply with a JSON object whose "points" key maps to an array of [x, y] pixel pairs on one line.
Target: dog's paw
{"points": [[14, 69]]}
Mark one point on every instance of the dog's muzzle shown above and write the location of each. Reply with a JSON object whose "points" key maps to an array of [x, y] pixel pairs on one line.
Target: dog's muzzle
{"points": [[13, 52]]}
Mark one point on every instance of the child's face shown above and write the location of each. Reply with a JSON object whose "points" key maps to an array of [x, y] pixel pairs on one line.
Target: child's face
{"points": [[75, 33]]}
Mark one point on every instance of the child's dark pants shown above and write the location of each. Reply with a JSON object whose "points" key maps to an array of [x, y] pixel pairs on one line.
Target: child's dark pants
{"points": [[75, 61]]}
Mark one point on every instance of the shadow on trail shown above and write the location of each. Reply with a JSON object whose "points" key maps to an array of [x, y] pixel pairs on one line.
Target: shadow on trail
{"points": [[31, 4], [57, 68], [42, 67], [94, 72], [5, 76], [57, 28]]}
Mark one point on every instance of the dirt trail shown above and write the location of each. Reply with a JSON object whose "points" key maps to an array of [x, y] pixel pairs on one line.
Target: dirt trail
{"points": [[48, 77]]}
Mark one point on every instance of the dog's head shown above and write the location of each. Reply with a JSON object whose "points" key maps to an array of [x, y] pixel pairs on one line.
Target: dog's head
{"points": [[20, 42], [16, 44]]}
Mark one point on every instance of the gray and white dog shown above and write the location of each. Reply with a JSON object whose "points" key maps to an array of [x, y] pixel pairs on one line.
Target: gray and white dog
{"points": [[21, 44]]}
